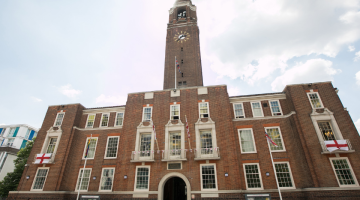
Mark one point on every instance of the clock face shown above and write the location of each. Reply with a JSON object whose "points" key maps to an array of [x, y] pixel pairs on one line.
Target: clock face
{"points": [[181, 36]]}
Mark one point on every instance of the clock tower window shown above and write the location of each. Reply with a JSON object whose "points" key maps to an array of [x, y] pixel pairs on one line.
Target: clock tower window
{"points": [[182, 61], [182, 49]]}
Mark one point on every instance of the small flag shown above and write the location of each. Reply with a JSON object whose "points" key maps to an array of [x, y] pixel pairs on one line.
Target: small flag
{"points": [[178, 66], [270, 140], [187, 127], [88, 147], [43, 158], [153, 125], [333, 145]]}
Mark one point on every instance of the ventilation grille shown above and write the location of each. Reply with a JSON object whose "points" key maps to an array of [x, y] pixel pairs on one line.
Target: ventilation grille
{"points": [[174, 166]]}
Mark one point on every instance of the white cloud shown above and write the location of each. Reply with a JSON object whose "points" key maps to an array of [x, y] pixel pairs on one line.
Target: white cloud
{"points": [[68, 91], [351, 48], [357, 124], [233, 91], [357, 75], [2, 124], [111, 100], [357, 56], [314, 70], [272, 32], [36, 99]]}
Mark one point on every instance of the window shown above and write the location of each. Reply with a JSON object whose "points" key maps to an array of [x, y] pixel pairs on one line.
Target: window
{"points": [[59, 119], [208, 176], [275, 108], [239, 110], [51, 146], [40, 178], [27, 134], [104, 120], [83, 179], [182, 49], [315, 100], [206, 142], [257, 110], [343, 172], [204, 110], [90, 121], [10, 142], [326, 131], [184, 82], [275, 135], [145, 144], [175, 144], [13, 132], [107, 178], [284, 175], [119, 119], [112, 147], [3, 131], [89, 150], [182, 61], [175, 112], [247, 143], [142, 178], [147, 114], [253, 176]]}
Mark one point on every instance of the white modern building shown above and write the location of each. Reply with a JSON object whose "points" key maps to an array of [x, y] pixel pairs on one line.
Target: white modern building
{"points": [[12, 139]]}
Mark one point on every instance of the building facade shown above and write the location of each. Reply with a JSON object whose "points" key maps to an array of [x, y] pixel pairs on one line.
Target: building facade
{"points": [[12, 139], [190, 141]]}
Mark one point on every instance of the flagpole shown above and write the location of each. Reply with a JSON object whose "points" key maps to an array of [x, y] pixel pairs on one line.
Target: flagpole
{"points": [[187, 133], [82, 175], [157, 144], [272, 161], [175, 72]]}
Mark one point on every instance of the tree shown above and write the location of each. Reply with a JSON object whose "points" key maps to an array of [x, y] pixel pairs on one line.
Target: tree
{"points": [[12, 179]]}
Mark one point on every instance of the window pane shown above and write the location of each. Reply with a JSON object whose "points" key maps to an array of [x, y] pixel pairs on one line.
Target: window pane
{"points": [[206, 142], [283, 175], [275, 107], [204, 112], [326, 131], [142, 178], [84, 180], [145, 145], [90, 122], [343, 172], [105, 120], [175, 144], [59, 119], [119, 119], [147, 114], [256, 109], [247, 143], [51, 146], [208, 177], [40, 179], [175, 111], [91, 148], [315, 101], [107, 179], [112, 147], [275, 136], [239, 112], [252, 176]]}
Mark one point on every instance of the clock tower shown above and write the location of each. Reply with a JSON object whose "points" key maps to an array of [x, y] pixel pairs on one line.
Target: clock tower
{"points": [[182, 42]]}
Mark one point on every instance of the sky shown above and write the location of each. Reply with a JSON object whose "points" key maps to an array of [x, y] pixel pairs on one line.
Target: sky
{"points": [[96, 52]]}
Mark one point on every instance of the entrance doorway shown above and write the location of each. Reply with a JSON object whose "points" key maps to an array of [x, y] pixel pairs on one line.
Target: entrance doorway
{"points": [[175, 189]]}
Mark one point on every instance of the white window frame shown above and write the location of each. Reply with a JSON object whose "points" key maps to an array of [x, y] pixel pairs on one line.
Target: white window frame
{"points": [[77, 180], [10, 144], [3, 131], [37, 171], [291, 175], [181, 145], [87, 120], [308, 95], [201, 179], [116, 118], [252, 134], [117, 147], [57, 115], [281, 137], [171, 116], [351, 169], [137, 167], [246, 183], [242, 109], [252, 109], [112, 182], [143, 114], [272, 113], [97, 139], [208, 109], [101, 119], [47, 147]]}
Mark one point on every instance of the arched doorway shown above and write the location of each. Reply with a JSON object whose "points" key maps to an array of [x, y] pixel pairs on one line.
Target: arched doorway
{"points": [[175, 189], [174, 186]]}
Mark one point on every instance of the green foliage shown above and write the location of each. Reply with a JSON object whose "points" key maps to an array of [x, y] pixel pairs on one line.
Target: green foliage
{"points": [[12, 179]]}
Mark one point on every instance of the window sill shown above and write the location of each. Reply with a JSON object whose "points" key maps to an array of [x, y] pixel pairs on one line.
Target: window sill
{"points": [[99, 128], [248, 152], [136, 161], [208, 158], [337, 151], [110, 158]]}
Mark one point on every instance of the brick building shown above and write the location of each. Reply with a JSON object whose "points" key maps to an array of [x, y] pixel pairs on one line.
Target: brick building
{"points": [[227, 154]]}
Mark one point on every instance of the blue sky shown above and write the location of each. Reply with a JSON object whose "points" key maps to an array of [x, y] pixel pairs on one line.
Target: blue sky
{"points": [[96, 52]]}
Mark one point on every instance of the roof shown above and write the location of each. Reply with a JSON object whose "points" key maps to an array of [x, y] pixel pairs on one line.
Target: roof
{"points": [[104, 107]]}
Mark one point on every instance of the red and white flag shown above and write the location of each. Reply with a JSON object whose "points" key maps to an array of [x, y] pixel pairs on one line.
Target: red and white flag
{"points": [[333, 145], [153, 125], [187, 127], [43, 158], [270, 140]]}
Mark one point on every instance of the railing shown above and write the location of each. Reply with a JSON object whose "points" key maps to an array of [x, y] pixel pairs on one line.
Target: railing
{"points": [[179, 154], [207, 153], [142, 156], [326, 151], [51, 161]]}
